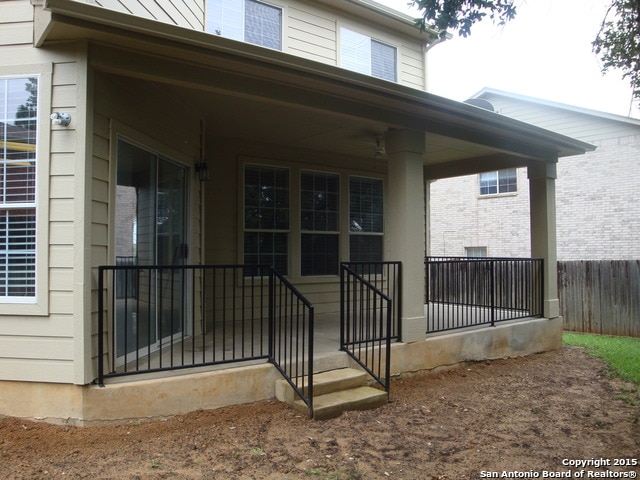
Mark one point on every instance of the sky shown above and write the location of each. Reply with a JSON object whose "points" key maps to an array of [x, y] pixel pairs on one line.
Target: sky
{"points": [[545, 52]]}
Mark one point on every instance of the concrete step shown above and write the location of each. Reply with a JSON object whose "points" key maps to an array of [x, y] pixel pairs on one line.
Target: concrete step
{"points": [[334, 392], [331, 405], [337, 380], [324, 382]]}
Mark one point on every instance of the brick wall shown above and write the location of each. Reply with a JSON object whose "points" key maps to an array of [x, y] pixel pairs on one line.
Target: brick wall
{"points": [[598, 212]]}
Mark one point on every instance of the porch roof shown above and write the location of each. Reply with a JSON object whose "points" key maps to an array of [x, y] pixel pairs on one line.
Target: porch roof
{"points": [[294, 101]]}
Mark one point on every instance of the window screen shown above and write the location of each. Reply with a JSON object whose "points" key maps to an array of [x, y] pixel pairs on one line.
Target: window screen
{"points": [[18, 130], [262, 25], [383, 61]]}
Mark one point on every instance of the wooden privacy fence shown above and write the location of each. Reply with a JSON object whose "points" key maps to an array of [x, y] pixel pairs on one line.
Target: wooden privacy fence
{"points": [[600, 297]]}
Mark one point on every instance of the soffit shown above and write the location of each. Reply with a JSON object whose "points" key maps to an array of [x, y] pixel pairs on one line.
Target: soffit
{"points": [[288, 98]]}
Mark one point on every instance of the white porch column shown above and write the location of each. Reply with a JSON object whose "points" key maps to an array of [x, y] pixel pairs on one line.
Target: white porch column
{"points": [[404, 235], [542, 198]]}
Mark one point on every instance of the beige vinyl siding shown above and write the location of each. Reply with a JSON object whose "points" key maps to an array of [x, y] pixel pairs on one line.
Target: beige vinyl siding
{"points": [[16, 22], [310, 30], [411, 66], [37, 341], [312, 34], [62, 216], [99, 220], [184, 13]]}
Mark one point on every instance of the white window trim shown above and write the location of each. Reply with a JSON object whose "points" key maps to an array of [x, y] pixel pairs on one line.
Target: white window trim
{"points": [[498, 194], [37, 305]]}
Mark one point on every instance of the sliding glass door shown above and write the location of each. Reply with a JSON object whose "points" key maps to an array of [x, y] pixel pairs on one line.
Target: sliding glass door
{"points": [[151, 231]]}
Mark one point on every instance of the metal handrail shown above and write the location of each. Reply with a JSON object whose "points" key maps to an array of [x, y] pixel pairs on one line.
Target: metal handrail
{"points": [[291, 320], [366, 325]]}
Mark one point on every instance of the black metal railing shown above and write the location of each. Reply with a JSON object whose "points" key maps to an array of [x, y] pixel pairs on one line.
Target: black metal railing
{"points": [[387, 278], [131, 282], [292, 329], [185, 316], [366, 318], [462, 292]]}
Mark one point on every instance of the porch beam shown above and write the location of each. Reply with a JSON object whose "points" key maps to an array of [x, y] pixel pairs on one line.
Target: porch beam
{"points": [[471, 166]]}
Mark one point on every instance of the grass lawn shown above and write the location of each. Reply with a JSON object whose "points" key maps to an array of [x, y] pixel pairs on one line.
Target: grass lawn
{"points": [[621, 353]]}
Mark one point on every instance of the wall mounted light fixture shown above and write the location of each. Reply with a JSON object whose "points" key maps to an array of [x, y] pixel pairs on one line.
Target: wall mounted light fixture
{"points": [[62, 119], [202, 169]]}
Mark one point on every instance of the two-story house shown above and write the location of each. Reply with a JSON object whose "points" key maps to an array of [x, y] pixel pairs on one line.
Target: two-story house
{"points": [[597, 216], [168, 168]]}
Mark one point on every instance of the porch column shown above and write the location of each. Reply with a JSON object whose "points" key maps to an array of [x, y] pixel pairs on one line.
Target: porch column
{"points": [[404, 236], [542, 198]]}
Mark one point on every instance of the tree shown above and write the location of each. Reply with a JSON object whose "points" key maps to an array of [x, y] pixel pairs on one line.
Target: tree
{"points": [[446, 15], [29, 109], [618, 41]]}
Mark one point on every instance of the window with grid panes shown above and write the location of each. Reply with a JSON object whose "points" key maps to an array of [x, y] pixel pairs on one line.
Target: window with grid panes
{"points": [[266, 217], [363, 54], [319, 223], [18, 132], [366, 219], [246, 20], [502, 181]]}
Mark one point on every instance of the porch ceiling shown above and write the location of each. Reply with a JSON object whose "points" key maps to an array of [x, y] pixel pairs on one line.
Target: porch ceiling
{"points": [[246, 91], [236, 117]]}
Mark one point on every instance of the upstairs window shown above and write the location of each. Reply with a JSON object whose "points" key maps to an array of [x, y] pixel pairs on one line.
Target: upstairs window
{"points": [[363, 54], [502, 181], [18, 132], [246, 20]]}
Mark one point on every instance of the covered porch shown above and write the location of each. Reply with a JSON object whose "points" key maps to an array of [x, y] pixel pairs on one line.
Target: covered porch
{"points": [[216, 121]]}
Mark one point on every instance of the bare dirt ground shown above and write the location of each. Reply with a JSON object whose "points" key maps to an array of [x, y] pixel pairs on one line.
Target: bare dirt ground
{"points": [[515, 415]]}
